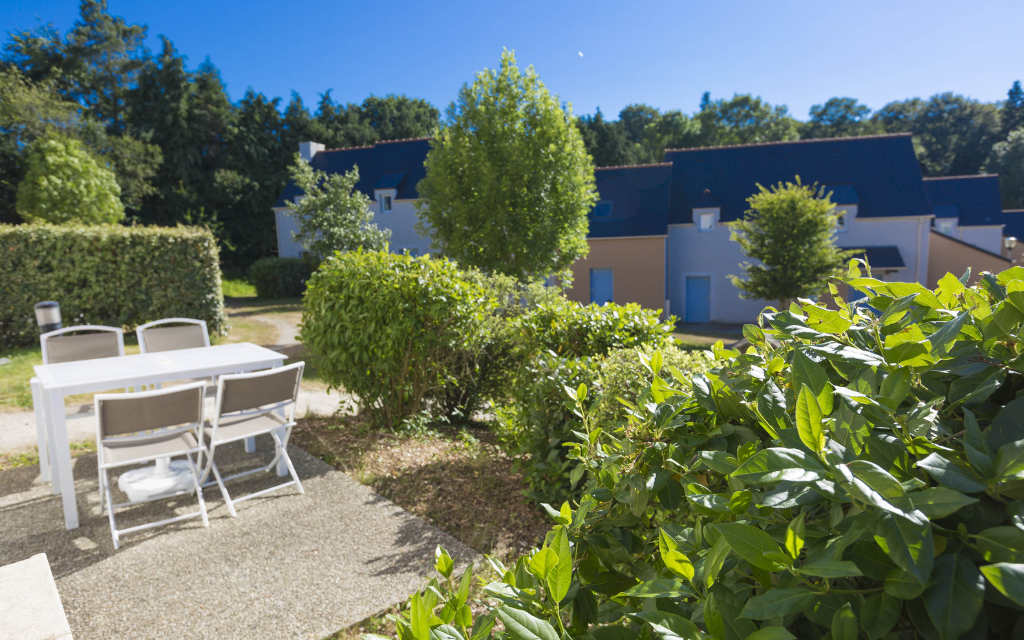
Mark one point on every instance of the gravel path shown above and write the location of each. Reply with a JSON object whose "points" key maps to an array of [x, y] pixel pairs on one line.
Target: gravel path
{"points": [[289, 566]]}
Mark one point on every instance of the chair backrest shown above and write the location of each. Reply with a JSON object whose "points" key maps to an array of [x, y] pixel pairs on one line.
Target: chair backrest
{"points": [[188, 334], [101, 342], [119, 414], [246, 391]]}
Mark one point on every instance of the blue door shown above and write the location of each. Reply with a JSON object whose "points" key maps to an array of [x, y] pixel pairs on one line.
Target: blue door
{"points": [[601, 289], [698, 299]]}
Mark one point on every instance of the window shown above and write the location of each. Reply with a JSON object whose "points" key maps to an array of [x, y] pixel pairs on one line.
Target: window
{"points": [[945, 227], [841, 221], [602, 210], [385, 204], [707, 222]]}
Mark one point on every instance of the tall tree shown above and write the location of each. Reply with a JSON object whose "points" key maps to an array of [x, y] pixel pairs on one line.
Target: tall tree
{"points": [[744, 119], [1007, 159], [509, 183], [606, 141], [790, 231], [396, 117], [635, 119], [95, 65], [839, 118], [673, 130], [952, 134], [1011, 115], [342, 125]]}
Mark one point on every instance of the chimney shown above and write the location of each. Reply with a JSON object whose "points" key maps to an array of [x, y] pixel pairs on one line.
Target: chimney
{"points": [[309, 149]]}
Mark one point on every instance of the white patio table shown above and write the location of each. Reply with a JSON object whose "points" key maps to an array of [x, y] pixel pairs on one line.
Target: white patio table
{"points": [[89, 376]]}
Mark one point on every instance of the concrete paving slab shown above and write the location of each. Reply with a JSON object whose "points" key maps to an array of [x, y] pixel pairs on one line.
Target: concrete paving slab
{"points": [[289, 566]]}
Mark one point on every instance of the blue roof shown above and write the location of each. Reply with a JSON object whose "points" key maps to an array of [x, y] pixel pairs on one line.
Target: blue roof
{"points": [[1013, 219], [882, 172], [640, 200], [398, 163], [882, 257], [974, 198], [949, 210]]}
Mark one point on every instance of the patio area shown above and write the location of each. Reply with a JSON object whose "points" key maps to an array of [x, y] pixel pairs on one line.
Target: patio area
{"points": [[289, 566]]}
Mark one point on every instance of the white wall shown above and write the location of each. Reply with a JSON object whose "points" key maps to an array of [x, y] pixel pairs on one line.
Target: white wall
{"points": [[989, 238], [714, 255], [401, 220]]}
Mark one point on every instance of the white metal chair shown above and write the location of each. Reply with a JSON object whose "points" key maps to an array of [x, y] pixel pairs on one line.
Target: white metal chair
{"points": [[154, 337], [248, 405], [99, 342], [134, 428]]}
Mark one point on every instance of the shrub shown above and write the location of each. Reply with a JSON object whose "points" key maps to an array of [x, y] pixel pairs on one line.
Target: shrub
{"points": [[391, 328], [626, 373], [571, 330], [859, 475], [280, 277], [65, 183], [110, 275]]}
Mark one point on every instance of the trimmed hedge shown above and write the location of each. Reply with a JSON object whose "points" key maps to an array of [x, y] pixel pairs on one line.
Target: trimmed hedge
{"points": [[107, 274], [280, 277]]}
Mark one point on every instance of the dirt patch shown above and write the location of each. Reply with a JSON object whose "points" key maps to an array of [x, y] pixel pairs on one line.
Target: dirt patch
{"points": [[459, 480]]}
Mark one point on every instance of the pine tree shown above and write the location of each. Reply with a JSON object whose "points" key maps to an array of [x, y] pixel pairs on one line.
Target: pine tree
{"points": [[1012, 113]]}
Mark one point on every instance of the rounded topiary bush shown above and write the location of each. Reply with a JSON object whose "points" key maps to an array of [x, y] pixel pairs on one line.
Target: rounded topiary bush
{"points": [[280, 277]]}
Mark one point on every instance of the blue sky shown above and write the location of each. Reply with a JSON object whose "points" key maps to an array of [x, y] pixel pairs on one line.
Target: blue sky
{"points": [[665, 54]]}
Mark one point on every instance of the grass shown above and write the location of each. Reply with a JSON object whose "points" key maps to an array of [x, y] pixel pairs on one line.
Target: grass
{"points": [[688, 340], [26, 459], [234, 284]]}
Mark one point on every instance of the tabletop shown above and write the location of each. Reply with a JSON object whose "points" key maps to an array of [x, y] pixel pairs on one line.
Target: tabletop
{"points": [[146, 368]]}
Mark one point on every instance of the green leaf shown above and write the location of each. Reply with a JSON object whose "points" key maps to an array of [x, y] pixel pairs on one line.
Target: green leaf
{"points": [[900, 584], [1001, 544], [443, 564], [669, 625], [907, 541], [1008, 578], [464, 584], [826, 320], [560, 578], [777, 464], [678, 564], [808, 372], [777, 603], [947, 334], [556, 515], [870, 483], [543, 563], [796, 531], [828, 568], [951, 475], [879, 614], [750, 543], [771, 408], [771, 633], [740, 501], [612, 632], [418, 618], [1010, 461], [844, 624], [808, 420], [660, 588], [955, 596], [714, 560], [464, 616], [939, 502], [523, 626], [1008, 425], [446, 632]]}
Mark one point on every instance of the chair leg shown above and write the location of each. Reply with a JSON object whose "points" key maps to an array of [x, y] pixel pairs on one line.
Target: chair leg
{"points": [[282, 452], [110, 510], [223, 490], [42, 442], [199, 490]]}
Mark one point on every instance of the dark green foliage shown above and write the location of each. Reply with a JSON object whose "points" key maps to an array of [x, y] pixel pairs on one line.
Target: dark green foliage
{"points": [[839, 118], [1011, 116], [854, 473], [110, 275], [607, 142], [280, 277], [744, 119], [1007, 159]]}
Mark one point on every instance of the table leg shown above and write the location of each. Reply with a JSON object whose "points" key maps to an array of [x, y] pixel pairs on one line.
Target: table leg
{"points": [[42, 437], [60, 458]]}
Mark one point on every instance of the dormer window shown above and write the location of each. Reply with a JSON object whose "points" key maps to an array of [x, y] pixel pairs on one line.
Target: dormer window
{"points": [[602, 210], [841, 222], [385, 204], [945, 226], [707, 222]]}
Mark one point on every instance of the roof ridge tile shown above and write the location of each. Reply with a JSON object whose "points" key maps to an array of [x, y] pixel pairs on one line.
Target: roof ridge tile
{"points": [[781, 142]]}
